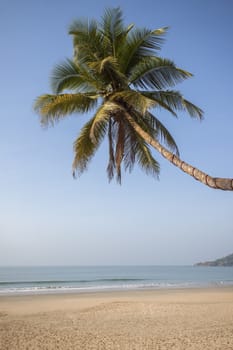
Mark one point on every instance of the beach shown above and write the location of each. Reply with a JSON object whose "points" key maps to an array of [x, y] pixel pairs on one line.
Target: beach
{"points": [[200, 318]]}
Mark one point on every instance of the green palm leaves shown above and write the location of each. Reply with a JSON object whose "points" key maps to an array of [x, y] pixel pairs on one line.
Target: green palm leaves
{"points": [[117, 71], [54, 107]]}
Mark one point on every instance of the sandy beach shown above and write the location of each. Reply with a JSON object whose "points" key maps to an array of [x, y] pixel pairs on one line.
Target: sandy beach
{"points": [[160, 319]]}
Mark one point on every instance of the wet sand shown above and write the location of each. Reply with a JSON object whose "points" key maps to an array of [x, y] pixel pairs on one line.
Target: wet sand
{"points": [[188, 319]]}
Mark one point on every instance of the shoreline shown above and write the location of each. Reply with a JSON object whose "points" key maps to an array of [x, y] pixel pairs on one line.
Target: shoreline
{"points": [[80, 291], [177, 319]]}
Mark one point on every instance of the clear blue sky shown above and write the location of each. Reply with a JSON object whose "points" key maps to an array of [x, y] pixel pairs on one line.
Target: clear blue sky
{"points": [[46, 217]]}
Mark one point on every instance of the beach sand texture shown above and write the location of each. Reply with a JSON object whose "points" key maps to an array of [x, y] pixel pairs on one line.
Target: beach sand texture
{"points": [[197, 319]]}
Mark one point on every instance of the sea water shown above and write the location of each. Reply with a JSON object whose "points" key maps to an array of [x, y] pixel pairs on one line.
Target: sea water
{"points": [[77, 279]]}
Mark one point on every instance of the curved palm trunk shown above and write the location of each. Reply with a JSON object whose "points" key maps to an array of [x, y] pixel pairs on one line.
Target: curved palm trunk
{"points": [[213, 182]]}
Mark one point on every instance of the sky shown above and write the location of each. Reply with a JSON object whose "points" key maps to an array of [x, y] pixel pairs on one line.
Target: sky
{"points": [[47, 217]]}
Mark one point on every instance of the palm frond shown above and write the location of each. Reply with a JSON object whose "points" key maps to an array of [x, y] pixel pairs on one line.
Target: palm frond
{"points": [[112, 27], [129, 148], [111, 162], [192, 109], [136, 148], [131, 99], [113, 30], [121, 41], [150, 41], [103, 114], [87, 40], [108, 69], [140, 43], [158, 73], [84, 148], [69, 76], [145, 159], [162, 134], [173, 101], [52, 108], [161, 99], [120, 145]]}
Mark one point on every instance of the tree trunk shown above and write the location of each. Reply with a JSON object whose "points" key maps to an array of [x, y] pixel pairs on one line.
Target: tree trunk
{"points": [[213, 182]]}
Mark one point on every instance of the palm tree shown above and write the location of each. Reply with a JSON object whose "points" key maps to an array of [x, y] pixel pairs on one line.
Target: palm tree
{"points": [[116, 70]]}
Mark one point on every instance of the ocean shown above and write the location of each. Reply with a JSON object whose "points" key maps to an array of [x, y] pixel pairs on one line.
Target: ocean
{"points": [[78, 279]]}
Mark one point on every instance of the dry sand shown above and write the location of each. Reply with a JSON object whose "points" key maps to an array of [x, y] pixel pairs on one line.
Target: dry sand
{"points": [[197, 319]]}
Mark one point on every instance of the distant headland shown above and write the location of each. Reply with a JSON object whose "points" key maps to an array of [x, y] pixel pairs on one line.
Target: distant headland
{"points": [[225, 261]]}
